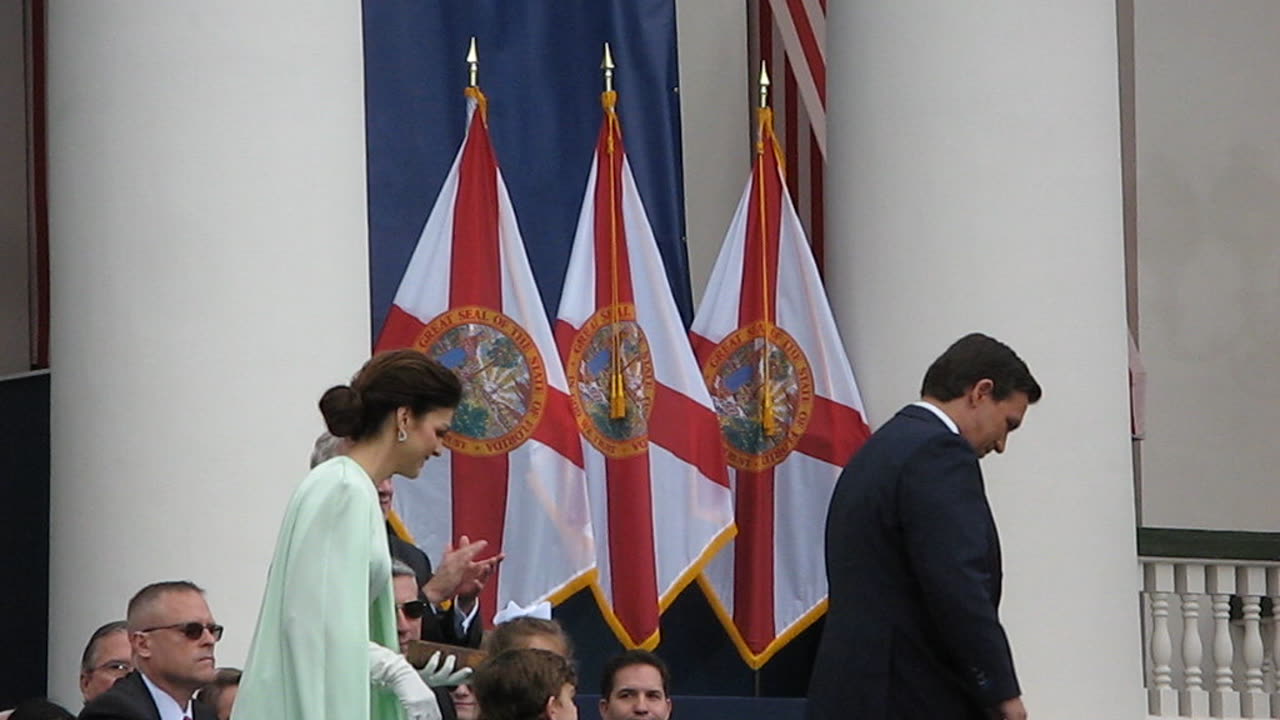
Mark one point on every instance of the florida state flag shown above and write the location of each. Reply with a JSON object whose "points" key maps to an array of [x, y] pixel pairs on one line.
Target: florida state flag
{"points": [[789, 410], [660, 499], [514, 472]]}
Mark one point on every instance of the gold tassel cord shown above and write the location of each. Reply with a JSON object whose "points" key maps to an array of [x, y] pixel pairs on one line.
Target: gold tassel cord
{"points": [[768, 423], [617, 386]]}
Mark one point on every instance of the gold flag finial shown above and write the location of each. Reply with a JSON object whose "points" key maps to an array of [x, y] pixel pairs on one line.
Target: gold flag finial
{"points": [[764, 85], [473, 60], [607, 66]]}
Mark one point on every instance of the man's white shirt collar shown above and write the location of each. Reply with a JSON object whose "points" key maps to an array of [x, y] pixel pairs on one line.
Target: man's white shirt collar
{"points": [[165, 703], [945, 418]]}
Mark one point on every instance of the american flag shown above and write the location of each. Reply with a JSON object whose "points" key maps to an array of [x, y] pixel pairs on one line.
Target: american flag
{"points": [[790, 37]]}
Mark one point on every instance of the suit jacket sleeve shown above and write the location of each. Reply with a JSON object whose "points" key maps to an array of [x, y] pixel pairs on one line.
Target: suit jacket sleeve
{"points": [[128, 699], [950, 538]]}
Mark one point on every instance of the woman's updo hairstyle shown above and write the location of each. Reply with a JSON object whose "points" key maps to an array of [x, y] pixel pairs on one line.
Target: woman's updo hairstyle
{"points": [[389, 380]]}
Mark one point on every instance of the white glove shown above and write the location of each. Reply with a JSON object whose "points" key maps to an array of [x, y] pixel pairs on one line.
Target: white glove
{"points": [[389, 669], [437, 674]]}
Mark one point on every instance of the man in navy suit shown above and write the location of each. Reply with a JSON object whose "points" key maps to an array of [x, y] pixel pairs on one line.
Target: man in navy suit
{"points": [[913, 559], [172, 634]]}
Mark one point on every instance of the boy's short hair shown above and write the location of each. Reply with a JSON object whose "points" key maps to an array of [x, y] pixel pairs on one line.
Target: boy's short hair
{"points": [[516, 684]]}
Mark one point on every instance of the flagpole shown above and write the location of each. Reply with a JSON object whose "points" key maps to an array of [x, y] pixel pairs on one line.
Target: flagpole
{"points": [[767, 423], [473, 86], [473, 63]]}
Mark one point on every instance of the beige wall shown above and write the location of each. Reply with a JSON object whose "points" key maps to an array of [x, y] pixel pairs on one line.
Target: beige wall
{"points": [[1208, 202], [715, 121], [14, 332]]}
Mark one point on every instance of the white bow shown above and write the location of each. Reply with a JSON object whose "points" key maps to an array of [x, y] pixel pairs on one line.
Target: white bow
{"points": [[541, 610]]}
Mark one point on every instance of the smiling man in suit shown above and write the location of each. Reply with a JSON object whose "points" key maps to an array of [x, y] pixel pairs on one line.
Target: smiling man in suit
{"points": [[172, 634], [913, 559]]}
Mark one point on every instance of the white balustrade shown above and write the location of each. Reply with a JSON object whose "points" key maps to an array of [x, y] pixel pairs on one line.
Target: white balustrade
{"points": [[1162, 699], [1224, 701], [1193, 699], [1251, 583], [1187, 605], [1273, 592]]}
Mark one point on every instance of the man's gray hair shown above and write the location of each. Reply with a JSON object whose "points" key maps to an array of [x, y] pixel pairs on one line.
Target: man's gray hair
{"points": [[327, 447], [400, 568]]}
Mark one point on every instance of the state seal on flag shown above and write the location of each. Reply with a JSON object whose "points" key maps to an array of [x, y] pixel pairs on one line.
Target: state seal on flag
{"points": [[504, 380], [740, 372], [611, 344]]}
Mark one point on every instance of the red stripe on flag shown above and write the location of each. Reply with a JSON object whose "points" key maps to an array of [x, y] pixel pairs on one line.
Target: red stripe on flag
{"points": [[765, 30], [479, 483], [792, 131], [612, 264], [400, 330], [694, 438], [629, 502], [474, 275], [753, 609], [817, 229], [753, 559], [761, 251], [564, 333], [809, 43], [835, 432], [631, 548], [702, 347], [558, 429]]}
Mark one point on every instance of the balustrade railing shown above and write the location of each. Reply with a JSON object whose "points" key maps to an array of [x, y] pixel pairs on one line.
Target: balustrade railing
{"points": [[1225, 604]]}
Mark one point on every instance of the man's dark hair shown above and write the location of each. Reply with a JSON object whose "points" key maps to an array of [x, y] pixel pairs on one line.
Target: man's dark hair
{"points": [[627, 659], [226, 677], [91, 649], [151, 593], [516, 684], [976, 357]]}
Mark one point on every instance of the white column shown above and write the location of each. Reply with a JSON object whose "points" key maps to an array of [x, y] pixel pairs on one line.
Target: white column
{"points": [[974, 172], [209, 245]]}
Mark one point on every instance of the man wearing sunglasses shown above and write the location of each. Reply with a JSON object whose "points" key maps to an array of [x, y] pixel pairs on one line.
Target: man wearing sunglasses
{"points": [[172, 633]]}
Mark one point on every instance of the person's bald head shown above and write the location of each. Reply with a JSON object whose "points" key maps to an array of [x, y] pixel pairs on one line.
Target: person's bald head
{"points": [[147, 606]]}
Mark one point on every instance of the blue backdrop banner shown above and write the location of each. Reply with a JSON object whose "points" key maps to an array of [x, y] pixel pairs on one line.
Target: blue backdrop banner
{"points": [[540, 68]]}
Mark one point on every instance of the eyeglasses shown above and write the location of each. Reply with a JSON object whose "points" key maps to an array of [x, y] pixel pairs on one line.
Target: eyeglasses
{"points": [[413, 609], [116, 666], [192, 630]]}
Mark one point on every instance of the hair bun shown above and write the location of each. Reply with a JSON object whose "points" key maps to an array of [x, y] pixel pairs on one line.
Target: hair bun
{"points": [[343, 410]]}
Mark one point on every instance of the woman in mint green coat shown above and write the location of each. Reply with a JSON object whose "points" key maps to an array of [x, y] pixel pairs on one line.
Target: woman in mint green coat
{"points": [[325, 644]]}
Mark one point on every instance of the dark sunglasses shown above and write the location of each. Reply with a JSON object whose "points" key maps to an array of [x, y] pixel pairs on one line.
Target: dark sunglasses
{"points": [[413, 609], [193, 630]]}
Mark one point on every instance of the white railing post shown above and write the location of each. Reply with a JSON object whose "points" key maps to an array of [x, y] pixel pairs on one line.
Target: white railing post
{"points": [[1162, 700], [1224, 701], [1251, 584], [1273, 591], [1193, 699]]}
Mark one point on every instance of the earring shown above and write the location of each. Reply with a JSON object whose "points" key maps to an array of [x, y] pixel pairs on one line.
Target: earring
{"points": [[402, 435]]}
